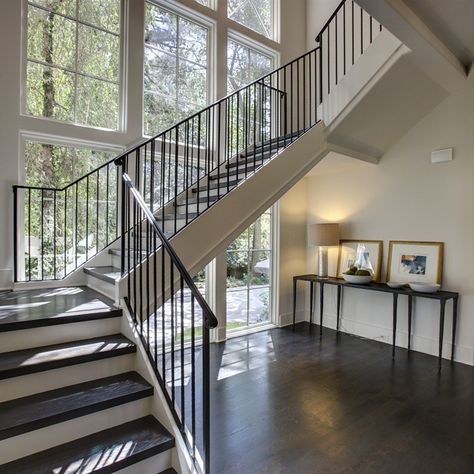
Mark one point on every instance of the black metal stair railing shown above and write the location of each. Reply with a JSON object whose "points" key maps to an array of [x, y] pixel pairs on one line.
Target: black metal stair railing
{"points": [[56, 230], [172, 320], [192, 165]]}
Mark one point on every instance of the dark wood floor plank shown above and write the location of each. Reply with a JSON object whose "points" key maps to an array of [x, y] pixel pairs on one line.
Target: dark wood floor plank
{"points": [[290, 402], [103, 452], [27, 361], [54, 406], [28, 309]]}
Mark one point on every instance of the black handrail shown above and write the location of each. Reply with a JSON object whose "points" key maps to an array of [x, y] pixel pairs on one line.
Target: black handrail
{"points": [[161, 299], [210, 319]]}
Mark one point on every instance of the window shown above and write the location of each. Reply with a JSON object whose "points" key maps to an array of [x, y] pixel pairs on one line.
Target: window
{"points": [[175, 69], [249, 275], [254, 14], [245, 64], [55, 166], [73, 61]]}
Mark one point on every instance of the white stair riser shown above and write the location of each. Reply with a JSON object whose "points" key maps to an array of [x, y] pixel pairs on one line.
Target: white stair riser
{"points": [[103, 287], [30, 384], [60, 433], [193, 208], [152, 465], [44, 336]]}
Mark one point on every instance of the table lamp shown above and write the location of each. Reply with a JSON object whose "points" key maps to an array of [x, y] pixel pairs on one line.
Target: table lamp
{"points": [[324, 236]]}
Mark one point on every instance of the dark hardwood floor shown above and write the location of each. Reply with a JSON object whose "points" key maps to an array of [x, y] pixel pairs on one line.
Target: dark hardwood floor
{"points": [[288, 402]]}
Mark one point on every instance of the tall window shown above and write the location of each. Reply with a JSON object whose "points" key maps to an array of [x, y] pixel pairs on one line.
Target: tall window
{"points": [[245, 64], [73, 61], [249, 275], [254, 14], [175, 69]]}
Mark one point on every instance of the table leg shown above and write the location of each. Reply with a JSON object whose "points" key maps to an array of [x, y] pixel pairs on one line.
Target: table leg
{"points": [[455, 318], [321, 308], [294, 303], [338, 306], [311, 298], [395, 304], [441, 330], [410, 311]]}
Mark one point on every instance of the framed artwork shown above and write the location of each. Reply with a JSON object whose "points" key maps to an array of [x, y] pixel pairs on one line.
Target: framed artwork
{"points": [[415, 261], [365, 254]]}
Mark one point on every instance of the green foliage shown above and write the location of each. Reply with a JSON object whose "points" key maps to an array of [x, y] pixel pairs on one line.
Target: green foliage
{"points": [[254, 14], [175, 68]]}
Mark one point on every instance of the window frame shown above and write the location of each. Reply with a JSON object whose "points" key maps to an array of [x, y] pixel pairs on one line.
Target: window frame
{"points": [[123, 65], [250, 43], [275, 19], [273, 276], [202, 20]]}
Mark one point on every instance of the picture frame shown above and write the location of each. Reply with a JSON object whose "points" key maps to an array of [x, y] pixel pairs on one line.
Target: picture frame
{"points": [[370, 250], [415, 261]]}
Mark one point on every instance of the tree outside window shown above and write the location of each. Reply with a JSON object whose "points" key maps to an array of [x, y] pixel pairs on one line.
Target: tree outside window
{"points": [[175, 69], [254, 14], [73, 61]]}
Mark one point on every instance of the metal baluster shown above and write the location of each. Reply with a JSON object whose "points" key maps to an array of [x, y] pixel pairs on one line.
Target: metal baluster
{"points": [[54, 235]]}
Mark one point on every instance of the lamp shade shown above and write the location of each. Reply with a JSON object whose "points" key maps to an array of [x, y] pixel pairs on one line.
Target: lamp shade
{"points": [[324, 234]]}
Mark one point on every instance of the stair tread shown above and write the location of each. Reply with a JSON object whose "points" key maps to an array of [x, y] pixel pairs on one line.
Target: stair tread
{"points": [[27, 309], [107, 273], [27, 361], [102, 452], [166, 471], [36, 411]]}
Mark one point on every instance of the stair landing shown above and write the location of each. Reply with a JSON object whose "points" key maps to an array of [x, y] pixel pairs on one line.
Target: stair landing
{"points": [[46, 307]]}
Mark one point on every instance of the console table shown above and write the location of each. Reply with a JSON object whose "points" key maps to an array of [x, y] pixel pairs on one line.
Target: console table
{"points": [[441, 296]]}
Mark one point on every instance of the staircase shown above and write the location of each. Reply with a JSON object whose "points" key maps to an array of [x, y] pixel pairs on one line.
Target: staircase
{"points": [[71, 400], [136, 229]]}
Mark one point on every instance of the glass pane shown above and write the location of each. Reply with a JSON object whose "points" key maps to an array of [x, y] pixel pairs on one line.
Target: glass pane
{"points": [[65, 7], [236, 308], [260, 64], [97, 103], [193, 42], [241, 242], [55, 166], [254, 14], [237, 269], [103, 13], [260, 268], [50, 92], [160, 72], [192, 83], [259, 233], [160, 113], [161, 28], [238, 64], [99, 53], [51, 38], [259, 305]]}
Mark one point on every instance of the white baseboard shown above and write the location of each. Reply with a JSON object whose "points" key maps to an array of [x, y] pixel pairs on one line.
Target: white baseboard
{"points": [[286, 319], [419, 343]]}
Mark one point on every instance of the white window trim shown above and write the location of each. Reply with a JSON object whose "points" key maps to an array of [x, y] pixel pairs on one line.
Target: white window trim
{"points": [[122, 83], [57, 140]]}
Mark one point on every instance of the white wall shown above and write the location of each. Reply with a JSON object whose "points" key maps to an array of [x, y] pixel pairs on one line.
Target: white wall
{"points": [[405, 197]]}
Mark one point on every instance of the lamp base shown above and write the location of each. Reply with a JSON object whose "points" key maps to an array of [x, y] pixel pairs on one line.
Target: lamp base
{"points": [[323, 262]]}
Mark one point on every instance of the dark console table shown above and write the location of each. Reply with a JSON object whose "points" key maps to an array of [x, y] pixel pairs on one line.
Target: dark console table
{"points": [[441, 296]]}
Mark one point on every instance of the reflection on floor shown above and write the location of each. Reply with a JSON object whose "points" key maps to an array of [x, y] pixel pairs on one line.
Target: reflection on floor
{"points": [[289, 402]]}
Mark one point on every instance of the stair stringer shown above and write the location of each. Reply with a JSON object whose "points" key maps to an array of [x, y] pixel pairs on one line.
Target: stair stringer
{"points": [[209, 234]]}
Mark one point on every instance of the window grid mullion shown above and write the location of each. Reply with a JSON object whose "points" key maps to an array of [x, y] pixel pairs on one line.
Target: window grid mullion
{"points": [[76, 63], [75, 20]]}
